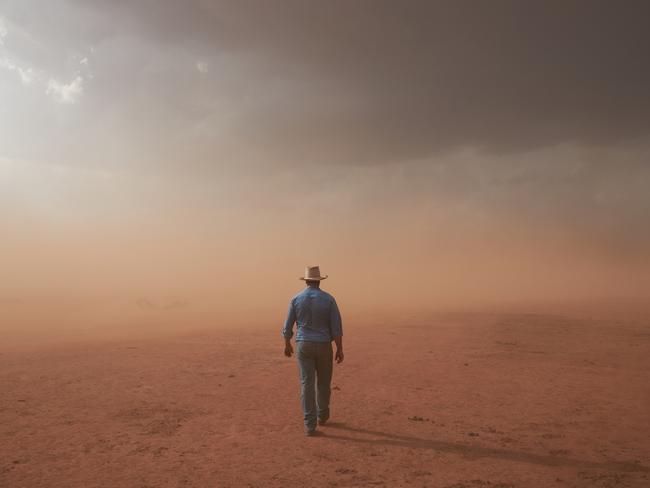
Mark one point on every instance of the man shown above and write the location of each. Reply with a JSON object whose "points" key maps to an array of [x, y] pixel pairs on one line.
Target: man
{"points": [[318, 324]]}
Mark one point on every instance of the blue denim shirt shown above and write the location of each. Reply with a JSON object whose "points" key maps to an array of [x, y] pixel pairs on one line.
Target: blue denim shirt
{"points": [[316, 315]]}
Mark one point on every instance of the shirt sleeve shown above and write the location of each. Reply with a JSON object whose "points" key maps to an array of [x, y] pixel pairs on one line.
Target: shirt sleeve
{"points": [[336, 325], [287, 330]]}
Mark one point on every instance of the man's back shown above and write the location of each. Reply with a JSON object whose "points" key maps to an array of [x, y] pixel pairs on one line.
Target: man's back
{"points": [[316, 315]]}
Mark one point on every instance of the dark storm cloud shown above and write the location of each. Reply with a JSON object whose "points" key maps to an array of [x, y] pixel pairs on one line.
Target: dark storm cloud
{"points": [[406, 79]]}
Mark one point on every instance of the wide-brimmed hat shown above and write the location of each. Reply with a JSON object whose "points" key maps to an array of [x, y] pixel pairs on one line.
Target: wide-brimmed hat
{"points": [[312, 273]]}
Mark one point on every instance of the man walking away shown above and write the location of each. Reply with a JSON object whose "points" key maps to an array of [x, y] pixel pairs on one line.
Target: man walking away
{"points": [[318, 323]]}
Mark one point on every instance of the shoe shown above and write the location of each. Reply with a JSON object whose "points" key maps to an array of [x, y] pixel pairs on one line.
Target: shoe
{"points": [[310, 432], [323, 420]]}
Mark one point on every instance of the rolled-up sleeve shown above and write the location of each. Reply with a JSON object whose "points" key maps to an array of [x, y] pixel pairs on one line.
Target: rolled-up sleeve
{"points": [[336, 325], [287, 330]]}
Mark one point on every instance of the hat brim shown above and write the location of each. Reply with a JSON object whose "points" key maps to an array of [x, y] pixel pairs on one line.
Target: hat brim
{"points": [[319, 278]]}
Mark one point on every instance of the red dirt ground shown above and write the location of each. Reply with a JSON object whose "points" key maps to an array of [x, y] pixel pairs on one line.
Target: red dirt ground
{"points": [[481, 401]]}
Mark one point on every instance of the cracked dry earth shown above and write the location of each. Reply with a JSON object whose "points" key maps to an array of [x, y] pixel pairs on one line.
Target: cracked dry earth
{"points": [[493, 401]]}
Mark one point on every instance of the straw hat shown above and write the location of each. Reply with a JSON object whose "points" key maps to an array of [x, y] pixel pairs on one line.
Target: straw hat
{"points": [[312, 273]]}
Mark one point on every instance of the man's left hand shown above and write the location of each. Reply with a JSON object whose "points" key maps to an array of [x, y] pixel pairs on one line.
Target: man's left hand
{"points": [[288, 350]]}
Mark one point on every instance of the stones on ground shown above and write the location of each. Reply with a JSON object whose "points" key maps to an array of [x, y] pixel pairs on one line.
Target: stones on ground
{"points": [[417, 418]]}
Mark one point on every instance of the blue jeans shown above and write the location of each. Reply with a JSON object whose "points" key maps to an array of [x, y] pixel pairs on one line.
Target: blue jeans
{"points": [[315, 368]]}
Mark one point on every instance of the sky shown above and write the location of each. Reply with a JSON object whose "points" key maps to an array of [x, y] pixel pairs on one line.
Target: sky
{"points": [[197, 155]]}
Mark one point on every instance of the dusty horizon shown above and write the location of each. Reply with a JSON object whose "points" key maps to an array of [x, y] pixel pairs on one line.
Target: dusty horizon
{"points": [[442, 156]]}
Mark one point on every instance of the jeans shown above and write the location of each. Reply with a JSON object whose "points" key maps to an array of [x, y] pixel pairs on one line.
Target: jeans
{"points": [[315, 368]]}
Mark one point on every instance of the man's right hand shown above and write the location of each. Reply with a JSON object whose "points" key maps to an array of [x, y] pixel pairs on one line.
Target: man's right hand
{"points": [[288, 349], [339, 356]]}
